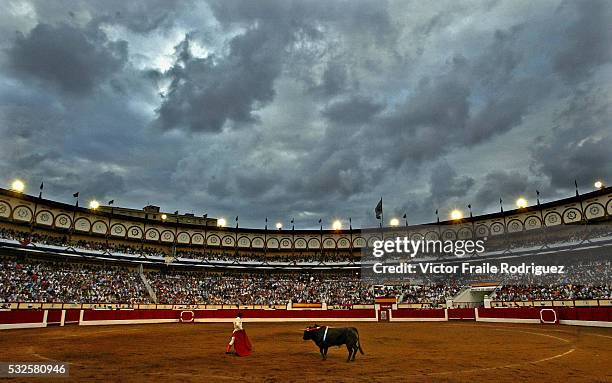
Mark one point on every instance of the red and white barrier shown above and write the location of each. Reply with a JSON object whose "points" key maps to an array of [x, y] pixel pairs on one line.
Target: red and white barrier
{"points": [[583, 316], [418, 315]]}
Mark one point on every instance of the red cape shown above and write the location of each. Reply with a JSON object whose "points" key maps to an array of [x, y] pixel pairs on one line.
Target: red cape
{"points": [[242, 344]]}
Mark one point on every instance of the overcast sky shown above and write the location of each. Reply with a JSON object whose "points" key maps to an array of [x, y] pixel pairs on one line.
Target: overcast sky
{"points": [[306, 109]]}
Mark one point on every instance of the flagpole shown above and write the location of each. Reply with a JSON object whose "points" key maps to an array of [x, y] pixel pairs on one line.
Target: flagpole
{"points": [[542, 221], [293, 236], [382, 223], [176, 213], [33, 222], [205, 233], [144, 234], [582, 215], [351, 235], [266, 238], [438, 225], [540, 208], [321, 241], [501, 209], [382, 218], [236, 239], [72, 226], [108, 232]]}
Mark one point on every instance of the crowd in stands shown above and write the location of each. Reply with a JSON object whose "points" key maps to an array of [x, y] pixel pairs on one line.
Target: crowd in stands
{"points": [[435, 294], [258, 289], [582, 281], [25, 281], [242, 257]]}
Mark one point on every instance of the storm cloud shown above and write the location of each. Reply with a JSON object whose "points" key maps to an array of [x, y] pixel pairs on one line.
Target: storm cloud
{"points": [[306, 109]]}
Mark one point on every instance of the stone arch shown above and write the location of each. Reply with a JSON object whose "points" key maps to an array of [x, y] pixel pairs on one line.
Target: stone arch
{"points": [[153, 234], [22, 213], [82, 224], [45, 217], [515, 226], [99, 227], [572, 215], [63, 221], [595, 210], [166, 236], [213, 240], [134, 232], [553, 218], [118, 230], [314, 243]]}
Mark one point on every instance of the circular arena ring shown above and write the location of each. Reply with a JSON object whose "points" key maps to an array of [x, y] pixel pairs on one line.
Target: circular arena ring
{"points": [[394, 352]]}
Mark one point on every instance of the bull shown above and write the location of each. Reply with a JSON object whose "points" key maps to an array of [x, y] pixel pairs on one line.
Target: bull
{"points": [[325, 337]]}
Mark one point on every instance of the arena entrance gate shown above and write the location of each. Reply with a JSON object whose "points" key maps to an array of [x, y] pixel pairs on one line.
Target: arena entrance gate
{"points": [[384, 306]]}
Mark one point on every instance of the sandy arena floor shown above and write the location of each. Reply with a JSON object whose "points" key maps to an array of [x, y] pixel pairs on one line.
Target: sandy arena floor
{"points": [[404, 352]]}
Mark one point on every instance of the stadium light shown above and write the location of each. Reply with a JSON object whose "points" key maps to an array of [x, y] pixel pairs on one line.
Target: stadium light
{"points": [[164, 217], [93, 204], [221, 222], [599, 184], [456, 214], [18, 186], [521, 203], [279, 225], [337, 225], [394, 222]]}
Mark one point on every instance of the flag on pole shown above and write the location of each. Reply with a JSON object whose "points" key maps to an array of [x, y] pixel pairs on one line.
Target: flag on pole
{"points": [[379, 209], [41, 190], [437, 216], [470, 209], [350, 224], [111, 202], [538, 197], [76, 195], [501, 206], [576, 184]]}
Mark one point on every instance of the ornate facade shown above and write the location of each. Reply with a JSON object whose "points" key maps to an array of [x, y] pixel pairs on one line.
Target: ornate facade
{"points": [[31, 212]]}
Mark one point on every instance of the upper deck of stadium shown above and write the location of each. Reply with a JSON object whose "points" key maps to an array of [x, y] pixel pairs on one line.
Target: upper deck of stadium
{"points": [[154, 228]]}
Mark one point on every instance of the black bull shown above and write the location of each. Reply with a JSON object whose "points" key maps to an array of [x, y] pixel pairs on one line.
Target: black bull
{"points": [[334, 337]]}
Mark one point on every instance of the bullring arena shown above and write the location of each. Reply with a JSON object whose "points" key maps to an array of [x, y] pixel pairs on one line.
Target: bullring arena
{"points": [[435, 352], [130, 295]]}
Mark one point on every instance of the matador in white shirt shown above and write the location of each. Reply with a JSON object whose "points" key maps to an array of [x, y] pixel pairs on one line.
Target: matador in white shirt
{"points": [[240, 340]]}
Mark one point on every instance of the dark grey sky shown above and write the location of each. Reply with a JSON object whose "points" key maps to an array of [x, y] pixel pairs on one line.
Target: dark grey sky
{"points": [[306, 109]]}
